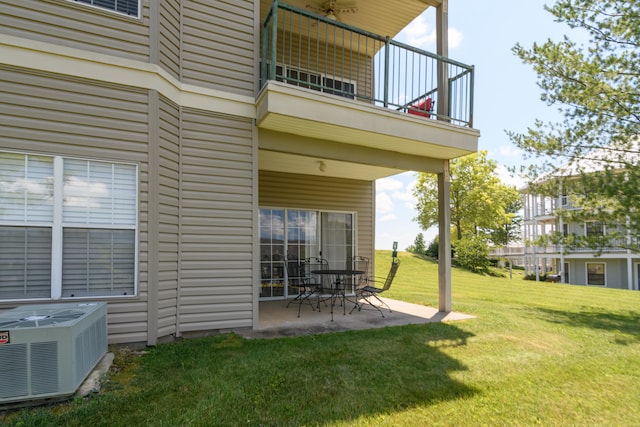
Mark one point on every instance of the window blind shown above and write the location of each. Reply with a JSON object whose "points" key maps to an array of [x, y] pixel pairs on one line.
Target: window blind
{"points": [[26, 262], [98, 262]]}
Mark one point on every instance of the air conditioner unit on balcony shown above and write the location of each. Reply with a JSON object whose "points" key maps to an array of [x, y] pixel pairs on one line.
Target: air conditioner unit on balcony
{"points": [[47, 350]]}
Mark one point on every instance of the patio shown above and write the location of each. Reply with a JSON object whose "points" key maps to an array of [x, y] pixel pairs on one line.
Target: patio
{"points": [[276, 320]]}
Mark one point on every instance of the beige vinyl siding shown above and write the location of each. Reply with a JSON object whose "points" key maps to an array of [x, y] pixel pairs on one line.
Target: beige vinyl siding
{"points": [[168, 217], [329, 60], [216, 222], [320, 193], [218, 45], [79, 26], [47, 114], [50, 113], [169, 37]]}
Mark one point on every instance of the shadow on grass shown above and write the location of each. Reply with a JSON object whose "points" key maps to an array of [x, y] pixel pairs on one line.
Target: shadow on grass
{"points": [[625, 323], [308, 380]]}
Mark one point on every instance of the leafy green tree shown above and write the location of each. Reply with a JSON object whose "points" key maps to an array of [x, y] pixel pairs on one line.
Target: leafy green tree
{"points": [[418, 246], [510, 230], [432, 249], [472, 253], [480, 202], [593, 152]]}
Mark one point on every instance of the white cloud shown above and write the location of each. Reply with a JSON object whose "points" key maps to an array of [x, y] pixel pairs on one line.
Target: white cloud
{"points": [[419, 34], [455, 38], [422, 34], [384, 204], [506, 177], [388, 217], [388, 184], [510, 151]]}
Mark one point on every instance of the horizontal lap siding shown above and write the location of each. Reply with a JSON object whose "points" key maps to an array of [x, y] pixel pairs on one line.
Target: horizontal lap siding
{"points": [[328, 59], [218, 45], [216, 222], [168, 216], [321, 193], [51, 115], [77, 25], [169, 37]]}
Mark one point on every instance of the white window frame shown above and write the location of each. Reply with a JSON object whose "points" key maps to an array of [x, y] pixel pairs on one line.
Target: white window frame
{"points": [[586, 271], [58, 226], [320, 242], [322, 77], [90, 3]]}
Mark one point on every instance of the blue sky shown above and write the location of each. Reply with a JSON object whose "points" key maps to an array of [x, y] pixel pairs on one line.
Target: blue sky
{"points": [[506, 94]]}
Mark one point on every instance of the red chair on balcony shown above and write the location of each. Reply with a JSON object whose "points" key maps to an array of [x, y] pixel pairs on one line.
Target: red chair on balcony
{"points": [[424, 108]]}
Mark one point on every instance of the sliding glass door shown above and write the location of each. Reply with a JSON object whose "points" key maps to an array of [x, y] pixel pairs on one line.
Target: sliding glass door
{"points": [[300, 234]]}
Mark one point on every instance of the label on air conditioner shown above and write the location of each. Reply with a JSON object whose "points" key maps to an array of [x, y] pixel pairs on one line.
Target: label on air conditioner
{"points": [[4, 337]]}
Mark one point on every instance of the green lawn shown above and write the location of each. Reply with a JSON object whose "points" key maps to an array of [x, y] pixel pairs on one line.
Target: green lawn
{"points": [[537, 354]]}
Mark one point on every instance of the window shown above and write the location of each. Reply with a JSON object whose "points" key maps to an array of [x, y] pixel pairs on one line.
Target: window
{"points": [[594, 228], [127, 7], [301, 234], [316, 81], [596, 273], [340, 87], [67, 227]]}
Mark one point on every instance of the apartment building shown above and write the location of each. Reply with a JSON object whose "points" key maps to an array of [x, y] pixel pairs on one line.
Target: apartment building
{"points": [[616, 265], [165, 156]]}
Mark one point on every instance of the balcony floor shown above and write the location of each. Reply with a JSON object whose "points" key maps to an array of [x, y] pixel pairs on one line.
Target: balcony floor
{"points": [[276, 320]]}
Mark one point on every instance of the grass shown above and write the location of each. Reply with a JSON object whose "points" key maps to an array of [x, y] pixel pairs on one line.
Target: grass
{"points": [[537, 354]]}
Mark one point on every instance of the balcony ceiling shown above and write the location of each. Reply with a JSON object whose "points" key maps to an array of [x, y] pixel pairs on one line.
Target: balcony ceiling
{"points": [[383, 17]]}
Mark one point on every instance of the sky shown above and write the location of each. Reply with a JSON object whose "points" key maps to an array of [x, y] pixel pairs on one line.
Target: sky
{"points": [[506, 94]]}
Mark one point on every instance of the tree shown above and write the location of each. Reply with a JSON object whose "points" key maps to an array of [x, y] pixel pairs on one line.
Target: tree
{"points": [[472, 253], [418, 246], [480, 202], [433, 248], [593, 152]]}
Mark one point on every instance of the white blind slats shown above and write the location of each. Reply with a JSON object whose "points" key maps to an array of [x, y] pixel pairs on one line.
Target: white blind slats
{"points": [[97, 262], [98, 226], [26, 262], [26, 188], [99, 193]]}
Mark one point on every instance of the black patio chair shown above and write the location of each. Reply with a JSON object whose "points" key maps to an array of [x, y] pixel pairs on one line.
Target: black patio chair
{"points": [[319, 283], [369, 291], [297, 278], [358, 263]]}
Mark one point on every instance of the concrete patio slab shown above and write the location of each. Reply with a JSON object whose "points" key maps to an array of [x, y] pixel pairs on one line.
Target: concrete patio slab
{"points": [[276, 320]]}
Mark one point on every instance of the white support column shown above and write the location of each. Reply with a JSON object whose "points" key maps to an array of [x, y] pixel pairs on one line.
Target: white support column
{"points": [[444, 239]]}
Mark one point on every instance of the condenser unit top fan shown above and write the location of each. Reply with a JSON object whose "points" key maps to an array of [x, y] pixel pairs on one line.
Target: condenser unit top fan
{"points": [[35, 319], [333, 8]]}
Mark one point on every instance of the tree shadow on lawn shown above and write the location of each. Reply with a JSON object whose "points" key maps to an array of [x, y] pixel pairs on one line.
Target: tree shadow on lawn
{"points": [[306, 380], [626, 323]]}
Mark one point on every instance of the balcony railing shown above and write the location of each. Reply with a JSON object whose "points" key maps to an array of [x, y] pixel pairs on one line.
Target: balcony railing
{"points": [[314, 52]]}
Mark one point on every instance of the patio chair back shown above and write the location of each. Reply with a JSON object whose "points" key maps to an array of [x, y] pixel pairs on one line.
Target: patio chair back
{"points": [[359, 263], [295, 271], [391, 275], [314, 263]]}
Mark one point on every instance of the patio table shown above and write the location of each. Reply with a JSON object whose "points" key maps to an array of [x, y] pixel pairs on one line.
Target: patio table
{"points": [[337, 288]]}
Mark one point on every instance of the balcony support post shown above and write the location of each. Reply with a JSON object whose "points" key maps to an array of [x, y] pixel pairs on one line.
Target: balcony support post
{"points": [[444, 239], [442, 36], [387, 45], [274, 40]]}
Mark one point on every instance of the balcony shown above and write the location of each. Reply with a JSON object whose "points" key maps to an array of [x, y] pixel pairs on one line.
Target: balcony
{"points": [[329, 81]]}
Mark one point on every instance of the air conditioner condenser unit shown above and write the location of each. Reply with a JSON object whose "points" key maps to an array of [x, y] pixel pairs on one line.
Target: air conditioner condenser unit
{"points": [[47, 350]]}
